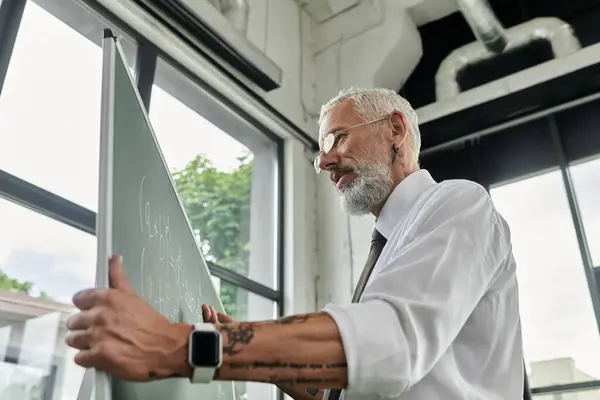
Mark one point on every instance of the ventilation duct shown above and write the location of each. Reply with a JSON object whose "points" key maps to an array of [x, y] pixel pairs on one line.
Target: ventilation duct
{"points": [[484, 24], [557, 32]]}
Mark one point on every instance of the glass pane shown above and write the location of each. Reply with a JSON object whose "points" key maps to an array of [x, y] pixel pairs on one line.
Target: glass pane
{"points": [[42, 264], [213, 173], [244, 305], [50, 107], [560, 334], [586, 180], [247, 306]]}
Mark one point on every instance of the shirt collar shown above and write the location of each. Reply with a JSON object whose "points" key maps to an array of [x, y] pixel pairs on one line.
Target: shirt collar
{"points": [[401, 200]]}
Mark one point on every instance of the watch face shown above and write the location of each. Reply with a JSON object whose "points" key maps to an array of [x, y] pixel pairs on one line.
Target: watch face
{"points": [[206, 348]]}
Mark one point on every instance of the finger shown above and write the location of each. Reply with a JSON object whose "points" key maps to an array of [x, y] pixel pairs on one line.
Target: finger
{"points": [[84, 358], [213, 315], [80, 340], [118, 278], [88, 298], [224, 318], [206, 317], [82, 320]]}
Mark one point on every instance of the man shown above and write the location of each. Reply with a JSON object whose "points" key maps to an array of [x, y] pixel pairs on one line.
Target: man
{"points": [[439, 315]]}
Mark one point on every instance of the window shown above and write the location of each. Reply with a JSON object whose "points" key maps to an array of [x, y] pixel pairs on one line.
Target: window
{"points": [[226, 171], [585, 180], [227, 187], [560, 333], [42, 264], [50, 102]]}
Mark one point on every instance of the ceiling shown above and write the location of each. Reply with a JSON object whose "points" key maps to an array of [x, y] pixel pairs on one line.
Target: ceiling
{"points": [[447, 31], [443, 31]]}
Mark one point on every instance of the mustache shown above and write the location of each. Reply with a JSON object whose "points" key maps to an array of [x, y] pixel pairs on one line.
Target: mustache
{"points": [[339, 171]]}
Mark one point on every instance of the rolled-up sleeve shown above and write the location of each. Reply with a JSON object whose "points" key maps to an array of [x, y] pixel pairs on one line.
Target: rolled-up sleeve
{"points": [[418, 300]]}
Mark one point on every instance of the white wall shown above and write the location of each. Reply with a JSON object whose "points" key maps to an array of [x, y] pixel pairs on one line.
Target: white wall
{"points": [[374, 43]]}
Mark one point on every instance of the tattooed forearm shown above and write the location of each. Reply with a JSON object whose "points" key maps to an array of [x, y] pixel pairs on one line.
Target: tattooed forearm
{"points": [[301, 351], [237, 336], [297, 318]]}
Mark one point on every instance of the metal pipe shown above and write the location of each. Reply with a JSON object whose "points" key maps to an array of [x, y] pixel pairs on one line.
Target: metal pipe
{"points": [[557, 32], [484, 24]]}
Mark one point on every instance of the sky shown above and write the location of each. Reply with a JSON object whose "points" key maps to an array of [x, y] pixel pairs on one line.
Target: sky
{"points": [[49, 118]]}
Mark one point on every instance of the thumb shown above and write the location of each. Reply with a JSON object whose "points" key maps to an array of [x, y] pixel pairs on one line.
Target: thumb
{"points": [[118, 279]]}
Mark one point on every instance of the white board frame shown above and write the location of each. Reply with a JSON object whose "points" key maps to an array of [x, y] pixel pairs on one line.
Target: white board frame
{"points": [[99, 380]]}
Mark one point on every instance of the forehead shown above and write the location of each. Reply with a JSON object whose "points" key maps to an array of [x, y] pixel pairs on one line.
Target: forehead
{"points": [[341, 116]]}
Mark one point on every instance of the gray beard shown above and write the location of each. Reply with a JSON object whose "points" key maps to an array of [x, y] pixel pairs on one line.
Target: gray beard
{"points": [[371, 187]]}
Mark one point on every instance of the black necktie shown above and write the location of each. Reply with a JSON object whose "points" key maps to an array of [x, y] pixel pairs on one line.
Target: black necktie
{"points": [[377, 244]]}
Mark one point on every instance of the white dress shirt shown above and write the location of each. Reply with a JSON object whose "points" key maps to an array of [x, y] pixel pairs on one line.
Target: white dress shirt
{"points": [[439, 317]]}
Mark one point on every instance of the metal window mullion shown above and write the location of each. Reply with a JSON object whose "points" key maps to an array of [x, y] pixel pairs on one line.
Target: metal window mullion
{"points": [[576, 216], [11, 13], [145, 70], [243, 282], [281, 227], [47, 203], [569, 387]]}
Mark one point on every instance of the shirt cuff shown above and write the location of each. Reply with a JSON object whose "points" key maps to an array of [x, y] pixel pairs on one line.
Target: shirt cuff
{"points": [[376, 348]]}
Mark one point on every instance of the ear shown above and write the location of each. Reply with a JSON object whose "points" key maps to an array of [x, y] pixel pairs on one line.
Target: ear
{"points": [[399, 127]]}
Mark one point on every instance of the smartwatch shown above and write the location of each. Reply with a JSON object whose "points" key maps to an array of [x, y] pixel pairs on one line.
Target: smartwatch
{"points": [[205, 352]]}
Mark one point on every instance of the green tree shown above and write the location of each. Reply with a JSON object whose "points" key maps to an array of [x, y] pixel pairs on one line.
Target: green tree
{"points": [[7, 283], [218, 206]]}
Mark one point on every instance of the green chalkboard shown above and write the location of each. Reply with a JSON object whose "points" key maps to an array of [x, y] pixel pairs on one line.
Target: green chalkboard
{"points": [[142, 218]]}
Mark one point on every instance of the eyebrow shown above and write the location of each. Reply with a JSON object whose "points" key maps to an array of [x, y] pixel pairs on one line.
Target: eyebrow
{"points": [[336, 128]]}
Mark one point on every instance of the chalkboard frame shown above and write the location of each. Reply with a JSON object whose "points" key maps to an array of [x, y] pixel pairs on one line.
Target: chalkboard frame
{"points": [[104, 217]]}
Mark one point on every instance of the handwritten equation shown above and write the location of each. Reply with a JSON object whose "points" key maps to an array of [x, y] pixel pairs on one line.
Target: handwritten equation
{"points": [[162, 266]]}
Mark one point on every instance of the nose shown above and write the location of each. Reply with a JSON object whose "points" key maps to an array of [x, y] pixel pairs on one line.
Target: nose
{"points": [[328, 161]]}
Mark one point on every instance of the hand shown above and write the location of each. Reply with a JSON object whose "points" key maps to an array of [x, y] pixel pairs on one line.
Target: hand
{"points": [[117, 332], [209, 314]]}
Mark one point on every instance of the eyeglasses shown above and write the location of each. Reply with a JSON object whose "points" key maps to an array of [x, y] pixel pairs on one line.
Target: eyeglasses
{"points": [[332, 139]]}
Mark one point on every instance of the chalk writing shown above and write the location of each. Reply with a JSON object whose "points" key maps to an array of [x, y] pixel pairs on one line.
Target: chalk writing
{"points": [[161, 265]]}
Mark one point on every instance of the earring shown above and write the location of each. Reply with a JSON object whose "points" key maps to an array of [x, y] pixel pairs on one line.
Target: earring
{"points": [[394, 148]]}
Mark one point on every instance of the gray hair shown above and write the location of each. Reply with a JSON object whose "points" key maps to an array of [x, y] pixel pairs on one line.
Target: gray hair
{"points": [[371, 104]]}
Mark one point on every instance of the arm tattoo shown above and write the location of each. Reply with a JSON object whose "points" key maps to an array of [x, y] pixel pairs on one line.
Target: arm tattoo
{"points": [[237, 337], [280, 365], [297, 318], [312, 392]]}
